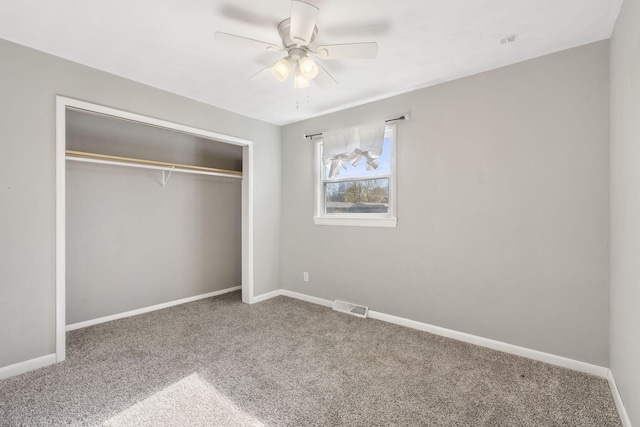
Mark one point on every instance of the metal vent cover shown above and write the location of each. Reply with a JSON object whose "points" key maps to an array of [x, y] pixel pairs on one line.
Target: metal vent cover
{"points": [[350, 308]]}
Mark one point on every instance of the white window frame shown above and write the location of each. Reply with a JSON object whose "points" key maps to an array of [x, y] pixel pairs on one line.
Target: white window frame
{"points": [[389, 219]]}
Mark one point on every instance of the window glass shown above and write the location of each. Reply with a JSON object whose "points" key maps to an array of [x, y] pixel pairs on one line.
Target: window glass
{"points": [[355, 191]]}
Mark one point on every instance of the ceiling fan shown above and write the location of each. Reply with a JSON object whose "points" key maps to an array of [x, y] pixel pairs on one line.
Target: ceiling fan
{"points": [[298, 34]]}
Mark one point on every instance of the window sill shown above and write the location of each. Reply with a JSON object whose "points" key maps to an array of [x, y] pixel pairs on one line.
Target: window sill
{"points": [[356, 222]]}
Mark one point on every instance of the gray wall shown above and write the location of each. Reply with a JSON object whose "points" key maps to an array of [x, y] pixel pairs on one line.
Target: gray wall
{"points": [[502, 209], [625, 207], [29, 81]]}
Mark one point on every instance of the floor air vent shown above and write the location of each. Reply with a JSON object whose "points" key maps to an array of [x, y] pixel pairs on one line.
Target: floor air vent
{"points": [[354, 309]]}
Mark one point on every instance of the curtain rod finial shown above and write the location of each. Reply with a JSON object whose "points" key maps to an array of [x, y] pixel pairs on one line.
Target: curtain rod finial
{"points": [[407, 116]]}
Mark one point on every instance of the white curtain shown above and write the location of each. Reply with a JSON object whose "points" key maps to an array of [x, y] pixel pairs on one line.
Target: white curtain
{"points": [[352, 145]]}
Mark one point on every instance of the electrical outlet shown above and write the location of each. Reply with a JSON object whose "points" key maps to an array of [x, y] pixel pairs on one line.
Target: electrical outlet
{"points": [[305, 275]]}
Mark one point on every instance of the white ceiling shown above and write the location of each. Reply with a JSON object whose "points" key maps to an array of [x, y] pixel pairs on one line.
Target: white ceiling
{"points": [[169, 44]]}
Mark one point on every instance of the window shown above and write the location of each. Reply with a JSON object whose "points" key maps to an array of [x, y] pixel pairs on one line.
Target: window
{"points": [[358, 193]]}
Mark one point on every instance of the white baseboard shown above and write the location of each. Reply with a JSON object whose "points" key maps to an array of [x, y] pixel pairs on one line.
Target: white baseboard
{"points": [[624, 417], [540, 356], [99, 320], [296, 295], [307, 298], [27, 365], [264, 297], [552, 359]]}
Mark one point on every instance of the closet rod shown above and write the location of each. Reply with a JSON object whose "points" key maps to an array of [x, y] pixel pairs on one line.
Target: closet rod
{"points": [[82, 156]]}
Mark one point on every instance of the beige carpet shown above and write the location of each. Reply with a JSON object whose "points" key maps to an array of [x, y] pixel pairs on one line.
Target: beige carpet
{"points": [[283, 362]]}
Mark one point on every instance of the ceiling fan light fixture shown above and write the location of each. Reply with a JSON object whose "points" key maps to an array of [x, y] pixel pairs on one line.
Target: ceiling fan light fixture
{"points": [[299, 82], [308, 68], [297, 34], [281, 69]]}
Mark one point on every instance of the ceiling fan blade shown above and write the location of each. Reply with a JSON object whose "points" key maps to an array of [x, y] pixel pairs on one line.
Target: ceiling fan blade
{"points": [[367, 50], [324, 80], [303, 21], [232, 38], [247, 16]]}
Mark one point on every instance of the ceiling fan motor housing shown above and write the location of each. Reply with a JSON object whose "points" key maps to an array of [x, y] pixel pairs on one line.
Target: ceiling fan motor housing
{"points": [[284, 29], [296, 53]]}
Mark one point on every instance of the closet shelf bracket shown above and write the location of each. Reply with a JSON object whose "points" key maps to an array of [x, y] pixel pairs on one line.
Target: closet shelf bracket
{"points": [[166, 175]]}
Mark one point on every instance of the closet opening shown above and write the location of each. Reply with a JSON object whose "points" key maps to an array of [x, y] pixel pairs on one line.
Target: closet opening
{"points": [[149, 214]]}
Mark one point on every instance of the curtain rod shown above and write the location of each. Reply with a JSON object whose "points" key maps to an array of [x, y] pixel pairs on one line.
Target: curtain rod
{"points": [[402, 117]]}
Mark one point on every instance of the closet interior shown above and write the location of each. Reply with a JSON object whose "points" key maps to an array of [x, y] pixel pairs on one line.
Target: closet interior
{"points": [[153, 216]]}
